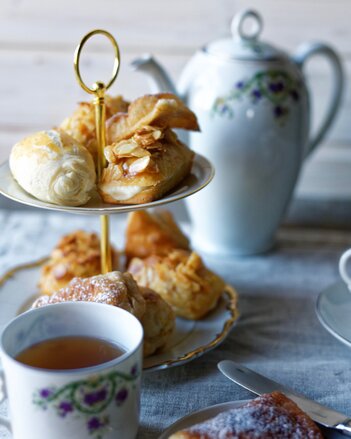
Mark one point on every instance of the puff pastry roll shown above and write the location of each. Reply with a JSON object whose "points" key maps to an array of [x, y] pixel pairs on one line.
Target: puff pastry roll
{"points": [[269, 416], [182, 280], [152, 233], [54, 167]]}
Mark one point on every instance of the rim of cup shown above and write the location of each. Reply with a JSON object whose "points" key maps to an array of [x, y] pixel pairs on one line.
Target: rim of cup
{"points": [[89, 369]]}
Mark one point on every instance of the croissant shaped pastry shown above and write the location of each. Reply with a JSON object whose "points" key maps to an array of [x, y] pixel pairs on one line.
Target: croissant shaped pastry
{"points": [[269, 416], [76, 255], [182, 280], [153, 233], [54, 167], [146, 159]]}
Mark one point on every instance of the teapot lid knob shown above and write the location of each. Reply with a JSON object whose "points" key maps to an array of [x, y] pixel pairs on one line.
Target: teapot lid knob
{"points": [[238, 28]]}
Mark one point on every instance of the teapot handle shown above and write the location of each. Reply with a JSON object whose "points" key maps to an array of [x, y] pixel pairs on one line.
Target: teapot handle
{"points": [[303, 53]]}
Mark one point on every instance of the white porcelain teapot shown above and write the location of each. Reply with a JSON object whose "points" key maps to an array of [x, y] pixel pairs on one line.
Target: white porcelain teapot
{"points": [[253, 107]]}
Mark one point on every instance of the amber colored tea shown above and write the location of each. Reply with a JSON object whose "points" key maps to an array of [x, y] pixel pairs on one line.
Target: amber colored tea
{"points": [[69, 353]]}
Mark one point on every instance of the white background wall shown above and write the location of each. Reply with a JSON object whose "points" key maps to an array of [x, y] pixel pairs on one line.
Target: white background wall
{"points": [[37, 40]]}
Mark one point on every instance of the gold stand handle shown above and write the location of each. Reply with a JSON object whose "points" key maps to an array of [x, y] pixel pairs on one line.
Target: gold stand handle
{"points": [[99, 89]]}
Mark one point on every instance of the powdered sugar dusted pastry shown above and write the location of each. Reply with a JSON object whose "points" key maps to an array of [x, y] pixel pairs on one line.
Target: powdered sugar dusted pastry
{"points": [[153, 233], [158, 322], [76, 255], [81, 125], [267, 417], [182, 280], [115, 288], [54, 167]]}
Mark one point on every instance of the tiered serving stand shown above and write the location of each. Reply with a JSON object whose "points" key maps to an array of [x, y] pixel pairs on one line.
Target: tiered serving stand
{"points": [[191, 338]]}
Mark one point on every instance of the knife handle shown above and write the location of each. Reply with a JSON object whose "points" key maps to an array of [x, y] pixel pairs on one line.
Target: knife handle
{"points": [[345, 427]]}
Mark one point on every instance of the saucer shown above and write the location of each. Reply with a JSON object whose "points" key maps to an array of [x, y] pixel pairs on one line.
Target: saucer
{"points": [[333, 310]]}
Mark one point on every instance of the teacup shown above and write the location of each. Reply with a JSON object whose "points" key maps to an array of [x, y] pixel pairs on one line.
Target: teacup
{"points": [[343, 267], [99, 402]]}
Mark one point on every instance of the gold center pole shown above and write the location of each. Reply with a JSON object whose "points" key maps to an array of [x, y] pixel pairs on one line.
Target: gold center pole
{"points": [[98, 90]]}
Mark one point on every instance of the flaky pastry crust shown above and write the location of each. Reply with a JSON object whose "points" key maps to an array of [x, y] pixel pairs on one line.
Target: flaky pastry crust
{"points": [[182, 280], [75, 255], [81, 125], [152, 233], [164, 110]]}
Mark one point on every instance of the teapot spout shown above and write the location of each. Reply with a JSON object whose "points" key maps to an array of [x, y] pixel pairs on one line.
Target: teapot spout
{"points": [[158, 78]]}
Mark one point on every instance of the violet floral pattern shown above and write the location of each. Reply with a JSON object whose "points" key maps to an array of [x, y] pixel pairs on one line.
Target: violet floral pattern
{"points": [[89, 399], [276, 87]]}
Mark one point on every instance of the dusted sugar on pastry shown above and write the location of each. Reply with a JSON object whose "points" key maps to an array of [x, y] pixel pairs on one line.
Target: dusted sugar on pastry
{"points": [[153, 233], [54, 167], [120, 289], [81, 125], [114, 288], [158, 322], [267, 417], [76, 255], [145, 158], [182, 280]]}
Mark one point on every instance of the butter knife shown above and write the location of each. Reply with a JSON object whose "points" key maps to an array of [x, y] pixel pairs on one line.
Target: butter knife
{"points": [[259, 384]]}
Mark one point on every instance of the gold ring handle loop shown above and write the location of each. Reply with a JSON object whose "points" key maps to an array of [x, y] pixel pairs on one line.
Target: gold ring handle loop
{"points": [[116, 64]]}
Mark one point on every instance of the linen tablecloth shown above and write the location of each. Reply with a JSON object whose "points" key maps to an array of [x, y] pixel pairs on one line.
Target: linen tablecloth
{"points": [[278, 333]]}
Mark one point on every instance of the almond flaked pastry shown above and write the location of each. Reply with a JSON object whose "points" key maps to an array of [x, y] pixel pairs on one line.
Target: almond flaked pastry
{"points": [[163, 110]]}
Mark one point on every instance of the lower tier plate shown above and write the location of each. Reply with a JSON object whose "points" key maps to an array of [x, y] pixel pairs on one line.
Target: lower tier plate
{"points": [[18, 290]]}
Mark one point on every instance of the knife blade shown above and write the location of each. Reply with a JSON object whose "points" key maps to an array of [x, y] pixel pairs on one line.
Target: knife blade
{"points": [[259, 384]]}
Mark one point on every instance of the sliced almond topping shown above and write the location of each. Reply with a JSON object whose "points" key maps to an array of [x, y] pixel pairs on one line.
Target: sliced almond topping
{"points": [[139, 165]]}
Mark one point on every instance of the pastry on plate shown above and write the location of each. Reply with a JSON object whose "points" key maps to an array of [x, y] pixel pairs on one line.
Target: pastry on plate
{"points": [[81, 125], [120, 289], [152, 233], [145, 157], [158, 322], [162, 110], [53, 167], [114, 288], [266, 417], [75, 255], [182, 280]]}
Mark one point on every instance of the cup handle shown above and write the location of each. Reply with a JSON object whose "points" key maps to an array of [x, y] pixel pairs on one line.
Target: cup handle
{"points": [[303, 53], [343, 267], [5, 422]]}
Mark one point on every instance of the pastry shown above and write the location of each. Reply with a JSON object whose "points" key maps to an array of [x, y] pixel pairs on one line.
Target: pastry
{"points": [[54, 167], [114, 288], [182, 280], [269, 416], [152, 233], [162, 110], [81, 125], [145, 157], [120, 289], [76, 255], [140, 172], [158, 322]]}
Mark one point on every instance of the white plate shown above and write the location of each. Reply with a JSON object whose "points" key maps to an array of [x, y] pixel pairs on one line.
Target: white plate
{"points": [[201, 174], [214, 410], [334, 310], [191, 339]]}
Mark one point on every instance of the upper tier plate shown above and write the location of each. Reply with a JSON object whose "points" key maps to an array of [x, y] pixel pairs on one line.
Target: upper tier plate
{"points": [[201, 174]]}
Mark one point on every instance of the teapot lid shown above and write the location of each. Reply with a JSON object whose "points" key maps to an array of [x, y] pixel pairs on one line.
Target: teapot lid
{"points": [[244, 44]]}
